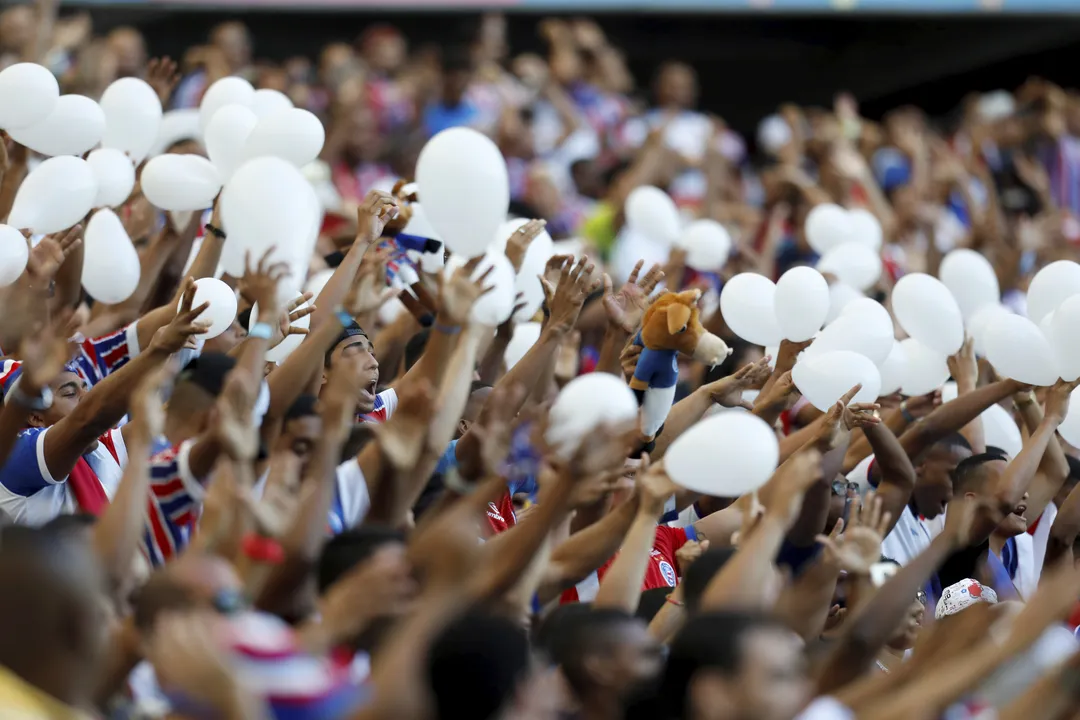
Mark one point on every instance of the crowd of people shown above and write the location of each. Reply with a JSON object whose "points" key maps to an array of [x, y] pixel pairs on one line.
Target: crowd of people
{"points": [[376, 525]]}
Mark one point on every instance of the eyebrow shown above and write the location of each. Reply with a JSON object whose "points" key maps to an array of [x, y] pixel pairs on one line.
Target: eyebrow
{"points": [[70, 384]]}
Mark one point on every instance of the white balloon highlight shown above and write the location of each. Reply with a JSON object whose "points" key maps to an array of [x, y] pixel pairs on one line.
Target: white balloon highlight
{"points": [[926, 310], [226, 134], [725, 455], [1050, 287], [971, 279], [57, 194], [824, 379], [852, 263], [707, 244], [586, 404], [28, 93], [222, 310], [226, 91], [1017, 349], [290, 134], [748, 306], [180, 182], [926, 370], [75, 125], [115, 176], [266, 101], [801, 303], [828, 225], [132, 117], [110, 263]]}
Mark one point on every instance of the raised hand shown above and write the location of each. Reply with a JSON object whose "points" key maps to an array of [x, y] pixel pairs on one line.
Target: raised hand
{"points": [[403, 438], [859, 546], [295, 310], [1057, 401], [776, 396], [232, 422], [259, 283], [628, 359], [369, 290], [148, 404], [162, 75], [460, 292], [494, 430], [792, 480], [626, 307], [565, 300], [184, 325], [964, 366], [689, 552], [654, 489], [378, 587], [839, 420], [518, 242], [48, 255], [728, 391], [44, 351], [377, 209]]}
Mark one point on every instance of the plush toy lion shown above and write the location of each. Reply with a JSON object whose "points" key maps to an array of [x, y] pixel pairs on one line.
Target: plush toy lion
{"points": [[671, 326]]}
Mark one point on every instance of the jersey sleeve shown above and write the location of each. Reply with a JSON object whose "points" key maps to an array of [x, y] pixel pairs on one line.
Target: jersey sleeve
{"points": [[25, 471], [173, 487], [389, 402], [102, 356], [353, 500], [669, 540]]}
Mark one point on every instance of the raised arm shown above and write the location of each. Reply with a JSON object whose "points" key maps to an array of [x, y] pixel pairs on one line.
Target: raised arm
{"points": [[952, 416], [894, 468], [107, 402]]}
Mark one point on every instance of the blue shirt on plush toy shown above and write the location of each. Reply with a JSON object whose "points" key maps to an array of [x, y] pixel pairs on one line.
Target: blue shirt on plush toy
{"points": [[658, 368]]}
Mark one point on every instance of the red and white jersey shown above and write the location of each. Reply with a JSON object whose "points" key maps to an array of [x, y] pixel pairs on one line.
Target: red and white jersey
{"points": [[500, 514], [385, 404], [662, 570]]}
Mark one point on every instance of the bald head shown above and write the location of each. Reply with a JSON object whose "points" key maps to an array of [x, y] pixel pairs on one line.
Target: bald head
{"points": [[193, 580]]}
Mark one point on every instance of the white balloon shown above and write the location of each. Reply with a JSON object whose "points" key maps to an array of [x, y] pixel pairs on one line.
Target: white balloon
{"points": [[525, 336], [853, 263], [180, 182], [982, 321], [266, 101], [1070, 428], [111, 268], [1064, 336], [824, 379], [801, 303], [283, 349], [726, 455], [14, 253], [28, 93], [1001, 431], [420, 226], [926, 370], [226, 134], [176, 126], [57, 194], [526, 283], [651, 212], [828, 225], [115, 176], [586, 404], [893, 369], [865, 228], [226, 91], [464, 187], [856, 333], [1050, 287], [75, 125], [132, 117], [926, 310], [707, 244], [291, 134], [1017, 349], [222, 310], [874, 311], [390, 310], [268, 203], [971, 279], [493, 308], [840, 295], [747, 304]]}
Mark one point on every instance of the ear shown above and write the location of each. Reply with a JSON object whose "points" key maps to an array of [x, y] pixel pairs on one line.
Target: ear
{"points": [[690, 297], [463, 426], [678, 316]]}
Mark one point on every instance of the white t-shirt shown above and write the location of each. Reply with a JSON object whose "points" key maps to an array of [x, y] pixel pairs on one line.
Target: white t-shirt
{"points": [[911, 534]]}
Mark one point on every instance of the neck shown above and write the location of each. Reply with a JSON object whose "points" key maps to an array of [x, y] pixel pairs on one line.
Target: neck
{"points": [[601, 705], [997, 542]]}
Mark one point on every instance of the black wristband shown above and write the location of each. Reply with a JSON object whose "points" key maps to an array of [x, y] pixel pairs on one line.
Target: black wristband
{"points": [[215, 231]]}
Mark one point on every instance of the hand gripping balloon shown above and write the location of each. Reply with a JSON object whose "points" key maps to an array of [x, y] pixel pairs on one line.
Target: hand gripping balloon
{"points": [[671, 326]]}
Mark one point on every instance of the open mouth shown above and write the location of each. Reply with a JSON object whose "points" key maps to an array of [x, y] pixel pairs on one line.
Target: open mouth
{"points": [[1020, 509], [370, 388]]}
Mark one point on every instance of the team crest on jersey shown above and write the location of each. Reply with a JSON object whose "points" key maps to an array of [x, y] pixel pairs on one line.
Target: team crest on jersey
{"points": [[668, 572]]}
